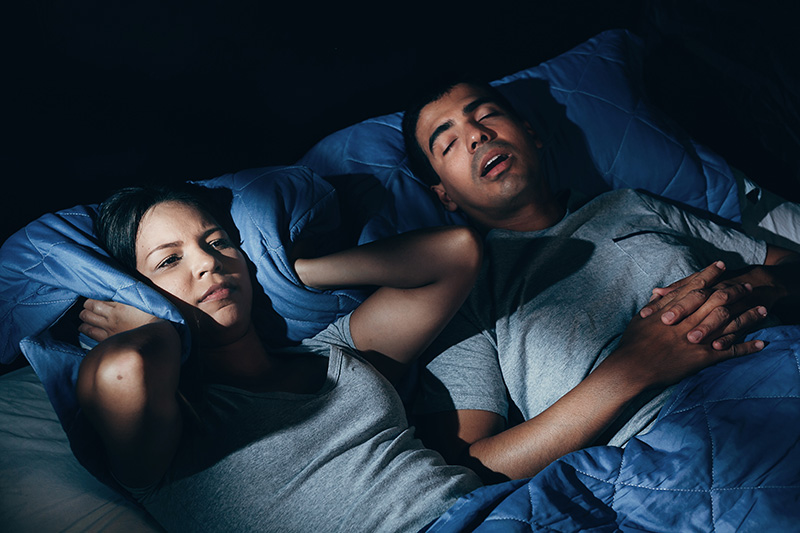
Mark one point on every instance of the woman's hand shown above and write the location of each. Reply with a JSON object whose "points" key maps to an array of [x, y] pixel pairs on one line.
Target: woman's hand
{"points": [[100, 320]]}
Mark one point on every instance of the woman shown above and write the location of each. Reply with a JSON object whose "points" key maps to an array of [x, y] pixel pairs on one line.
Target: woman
{"points": [[308, 438]]}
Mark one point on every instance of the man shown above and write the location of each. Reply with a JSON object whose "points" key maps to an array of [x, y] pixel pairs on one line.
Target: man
{"points": [[550, 317]]}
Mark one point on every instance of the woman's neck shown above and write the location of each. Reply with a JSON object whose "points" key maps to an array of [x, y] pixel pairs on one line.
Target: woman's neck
{"points": [[247, 364]]}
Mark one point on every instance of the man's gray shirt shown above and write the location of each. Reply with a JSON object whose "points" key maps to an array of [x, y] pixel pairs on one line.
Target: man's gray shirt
{"points": [[550, 305]]}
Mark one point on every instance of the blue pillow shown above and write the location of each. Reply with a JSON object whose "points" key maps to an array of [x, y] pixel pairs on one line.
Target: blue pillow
{"points": [[47, 265], [374, 148], [589, 107]]}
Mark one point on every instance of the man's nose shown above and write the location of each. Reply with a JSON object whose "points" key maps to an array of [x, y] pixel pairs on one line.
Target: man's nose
{"points": [[478, 135]]}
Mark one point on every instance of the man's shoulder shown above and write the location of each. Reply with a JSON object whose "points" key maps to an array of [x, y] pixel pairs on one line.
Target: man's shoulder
{"points": [[617, 202], [619, 196]]}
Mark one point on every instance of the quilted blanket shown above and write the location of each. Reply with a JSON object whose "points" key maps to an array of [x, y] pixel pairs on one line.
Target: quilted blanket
{"points": [[724, 455]]}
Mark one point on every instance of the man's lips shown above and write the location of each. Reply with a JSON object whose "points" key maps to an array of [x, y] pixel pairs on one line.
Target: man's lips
{"points": [[219, 291], [494, 162]]}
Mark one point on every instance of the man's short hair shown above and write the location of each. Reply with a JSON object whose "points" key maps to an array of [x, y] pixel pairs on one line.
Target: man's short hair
{"points": [[417, 159]]}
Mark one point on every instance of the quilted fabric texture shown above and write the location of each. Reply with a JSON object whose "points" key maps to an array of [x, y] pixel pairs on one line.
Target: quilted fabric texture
{"points": [[724, 455], [374, 150], [43, 269], [600, 133], [271, 208], [48, 264]]}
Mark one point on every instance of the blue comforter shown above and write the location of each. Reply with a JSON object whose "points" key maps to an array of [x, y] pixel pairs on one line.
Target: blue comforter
{"points": [[724, 455]]}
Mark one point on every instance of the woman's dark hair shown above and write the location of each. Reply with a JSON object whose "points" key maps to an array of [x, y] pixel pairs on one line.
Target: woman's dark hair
{"points": [[120, 214], [417, 159]]}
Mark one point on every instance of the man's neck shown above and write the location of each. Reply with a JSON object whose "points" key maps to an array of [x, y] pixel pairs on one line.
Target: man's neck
{"points": [[529, 217]]}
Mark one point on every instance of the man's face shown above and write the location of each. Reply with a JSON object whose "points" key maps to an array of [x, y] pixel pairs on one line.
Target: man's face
{"points": [[486, 157]]}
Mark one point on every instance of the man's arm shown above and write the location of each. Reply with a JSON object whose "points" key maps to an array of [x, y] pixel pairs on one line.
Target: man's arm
{"points": [[775, 287], [650, 354]]}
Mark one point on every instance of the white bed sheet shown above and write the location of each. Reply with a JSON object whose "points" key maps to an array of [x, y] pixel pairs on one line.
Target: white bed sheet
{"points": [[767, 216], [43, 488]]}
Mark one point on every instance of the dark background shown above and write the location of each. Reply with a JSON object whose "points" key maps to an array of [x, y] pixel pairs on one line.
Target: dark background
{"points": [[104, 94]]}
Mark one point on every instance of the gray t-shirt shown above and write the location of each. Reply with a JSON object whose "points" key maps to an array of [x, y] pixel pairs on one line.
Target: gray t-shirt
{"points": [[550, 305], [342, 459]]}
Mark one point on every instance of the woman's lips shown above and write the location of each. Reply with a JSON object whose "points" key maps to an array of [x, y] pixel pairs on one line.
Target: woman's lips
{"points": [[216, 292]]}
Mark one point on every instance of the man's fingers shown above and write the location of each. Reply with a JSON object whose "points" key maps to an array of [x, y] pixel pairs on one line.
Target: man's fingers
{"points": [[687, 305], [709, 275], [702, 302], [717, 310], [742, 349], [740, 325], [724, 342], [698, 281], [661, 297], [721, 313]]}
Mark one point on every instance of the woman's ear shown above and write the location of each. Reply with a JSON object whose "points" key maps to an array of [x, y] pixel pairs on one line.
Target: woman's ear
{"points": [[448, 202]]}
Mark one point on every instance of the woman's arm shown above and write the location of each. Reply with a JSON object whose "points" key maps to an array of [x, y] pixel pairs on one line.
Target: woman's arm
{"points": [[128, 389], [423, 277]]}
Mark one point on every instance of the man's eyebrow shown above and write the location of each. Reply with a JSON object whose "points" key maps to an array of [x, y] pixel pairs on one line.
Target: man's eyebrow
{"points": [[438, 131], [469, 108], [473, 105]]}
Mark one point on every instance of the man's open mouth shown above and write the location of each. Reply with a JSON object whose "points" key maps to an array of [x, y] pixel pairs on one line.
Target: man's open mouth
{"points": [[492, 163]]}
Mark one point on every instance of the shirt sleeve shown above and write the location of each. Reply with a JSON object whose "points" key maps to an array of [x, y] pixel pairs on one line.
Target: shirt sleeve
{"points": [[719, 233], [336, 334], [463, 372]]}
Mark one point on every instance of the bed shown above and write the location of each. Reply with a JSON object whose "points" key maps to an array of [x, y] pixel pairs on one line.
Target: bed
{"points": [[724, 455]]}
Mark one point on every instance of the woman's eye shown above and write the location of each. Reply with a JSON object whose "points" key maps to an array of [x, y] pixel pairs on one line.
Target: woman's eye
{"points": [[220, 244], [168, 261]]}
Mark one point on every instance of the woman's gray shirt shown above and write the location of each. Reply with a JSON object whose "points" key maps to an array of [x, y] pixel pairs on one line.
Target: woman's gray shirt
{"points": [[342, 459]]}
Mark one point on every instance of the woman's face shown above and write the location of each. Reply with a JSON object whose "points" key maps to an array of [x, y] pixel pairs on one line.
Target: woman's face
{"points": [[184, 252]]}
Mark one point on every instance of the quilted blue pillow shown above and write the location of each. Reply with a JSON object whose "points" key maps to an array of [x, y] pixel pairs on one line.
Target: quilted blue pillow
{"points": [[374, 148], [588, 106], [48, 264], [43, 269]]}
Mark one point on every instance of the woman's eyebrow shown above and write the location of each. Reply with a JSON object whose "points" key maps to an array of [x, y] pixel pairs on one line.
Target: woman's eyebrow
{"points": [[162, 247], [175, 244]]}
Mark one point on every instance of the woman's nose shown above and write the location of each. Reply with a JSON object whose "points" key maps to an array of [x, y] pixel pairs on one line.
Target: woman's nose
{"points": [[206, 262]]}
